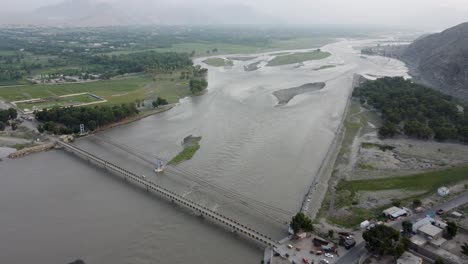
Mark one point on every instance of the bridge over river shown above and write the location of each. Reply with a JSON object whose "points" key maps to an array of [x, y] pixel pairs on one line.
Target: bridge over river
{"points": [[150, 186]]}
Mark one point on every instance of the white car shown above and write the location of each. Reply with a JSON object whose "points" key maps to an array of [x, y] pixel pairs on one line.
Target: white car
{"points": [[328, 255]]}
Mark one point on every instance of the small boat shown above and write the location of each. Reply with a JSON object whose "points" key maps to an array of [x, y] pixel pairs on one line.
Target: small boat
{"points": [[159, 167]]}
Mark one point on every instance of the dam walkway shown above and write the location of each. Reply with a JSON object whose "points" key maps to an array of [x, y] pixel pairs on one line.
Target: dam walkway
{"points": [[170, 195]]}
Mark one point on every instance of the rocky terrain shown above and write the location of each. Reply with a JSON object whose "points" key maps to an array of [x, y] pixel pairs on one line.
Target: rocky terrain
{"points": [[437, 60], [441, 60]]}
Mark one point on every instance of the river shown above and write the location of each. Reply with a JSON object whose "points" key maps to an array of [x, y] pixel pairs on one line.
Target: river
{"points": [[56, 208]]}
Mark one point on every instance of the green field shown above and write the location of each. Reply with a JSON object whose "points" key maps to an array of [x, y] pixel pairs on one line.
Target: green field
{"points": [[218, 62], [298, 57], [427, 182], [115, 91], [226, 48]]}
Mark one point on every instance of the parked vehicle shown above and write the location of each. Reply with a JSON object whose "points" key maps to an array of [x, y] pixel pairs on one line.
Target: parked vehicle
{"points": [[440, 212]]}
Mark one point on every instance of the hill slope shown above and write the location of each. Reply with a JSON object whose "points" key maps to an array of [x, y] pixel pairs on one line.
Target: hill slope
{"points": [[441, 60]]}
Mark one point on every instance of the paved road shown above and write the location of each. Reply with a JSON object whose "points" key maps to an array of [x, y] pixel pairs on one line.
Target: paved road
{"points": [[355, 253]]}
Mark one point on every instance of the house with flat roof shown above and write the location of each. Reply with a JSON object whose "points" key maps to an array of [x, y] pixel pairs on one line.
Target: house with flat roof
{"points": [[430, 231], [394, 212], [408, 258]]}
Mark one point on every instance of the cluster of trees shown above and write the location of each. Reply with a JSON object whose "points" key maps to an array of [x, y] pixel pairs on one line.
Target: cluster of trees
{"points": [[6, 116], [414, 110], [193, 72], [197, 85], [384, 240], [159, 102], [301, 222], [141, 61], [67, 120]]}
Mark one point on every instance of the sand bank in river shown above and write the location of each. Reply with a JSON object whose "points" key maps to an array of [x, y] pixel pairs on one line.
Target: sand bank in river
{"points": [[285, 95]]}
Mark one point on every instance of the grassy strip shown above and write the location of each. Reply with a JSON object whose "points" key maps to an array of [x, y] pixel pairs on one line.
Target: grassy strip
{"points": [[218, 62], [428, 181], [185, 154], [298, 57], [22, 146], [227, 48]]}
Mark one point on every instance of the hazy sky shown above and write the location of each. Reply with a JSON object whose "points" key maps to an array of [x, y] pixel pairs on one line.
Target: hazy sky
{"points": [[430, 13]]}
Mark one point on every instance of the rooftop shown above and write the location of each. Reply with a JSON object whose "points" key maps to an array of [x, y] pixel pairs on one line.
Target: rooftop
{"points": [[430, 230], [394, 212], [408, 258]]}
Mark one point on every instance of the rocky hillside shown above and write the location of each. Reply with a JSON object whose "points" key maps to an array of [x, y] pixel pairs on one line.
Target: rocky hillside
{"points": [[441, 60]]}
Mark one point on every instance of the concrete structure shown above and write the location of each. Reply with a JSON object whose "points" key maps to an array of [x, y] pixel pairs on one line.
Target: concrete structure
{"points": [[418, 240], [176, 198], [443, 191], [408, 258], [430, 232], [421, 222], [394, 212]]}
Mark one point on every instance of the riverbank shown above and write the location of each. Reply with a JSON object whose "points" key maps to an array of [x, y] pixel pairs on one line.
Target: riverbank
{"points": [[372, 173], [135, 118], [320, 184]]}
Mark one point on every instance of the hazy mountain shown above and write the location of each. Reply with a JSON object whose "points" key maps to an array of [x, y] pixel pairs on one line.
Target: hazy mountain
{"points": [[86, 13], [441, 60]]}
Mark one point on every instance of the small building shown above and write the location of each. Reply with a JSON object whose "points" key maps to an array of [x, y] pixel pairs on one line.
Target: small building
{"points": [[408, 258], [421, 222], [394, 212], [430, 231]]}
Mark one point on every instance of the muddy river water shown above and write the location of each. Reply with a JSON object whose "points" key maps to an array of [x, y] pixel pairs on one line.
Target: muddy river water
{"points": [[255, 163]]}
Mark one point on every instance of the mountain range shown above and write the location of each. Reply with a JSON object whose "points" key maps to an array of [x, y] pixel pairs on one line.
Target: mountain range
{"points": [[441, 60], [86, 13]]}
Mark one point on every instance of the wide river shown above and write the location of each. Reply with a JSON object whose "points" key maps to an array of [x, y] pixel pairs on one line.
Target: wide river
{"points": [[255, 164]]}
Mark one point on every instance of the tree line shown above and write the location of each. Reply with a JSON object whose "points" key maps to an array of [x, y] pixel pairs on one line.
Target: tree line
{"points": [[414, 110], [67, 120], [5, 116]]}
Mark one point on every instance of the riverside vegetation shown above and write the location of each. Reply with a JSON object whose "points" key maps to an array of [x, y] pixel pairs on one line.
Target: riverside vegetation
{"points": [[414, 110]]}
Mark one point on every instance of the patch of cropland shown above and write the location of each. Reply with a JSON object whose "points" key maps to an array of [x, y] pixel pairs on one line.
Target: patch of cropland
{"points": [[191, 145], [171, 86], [324, 67], [298, 57], [285, 95], [414, 110], [218, 62]]}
